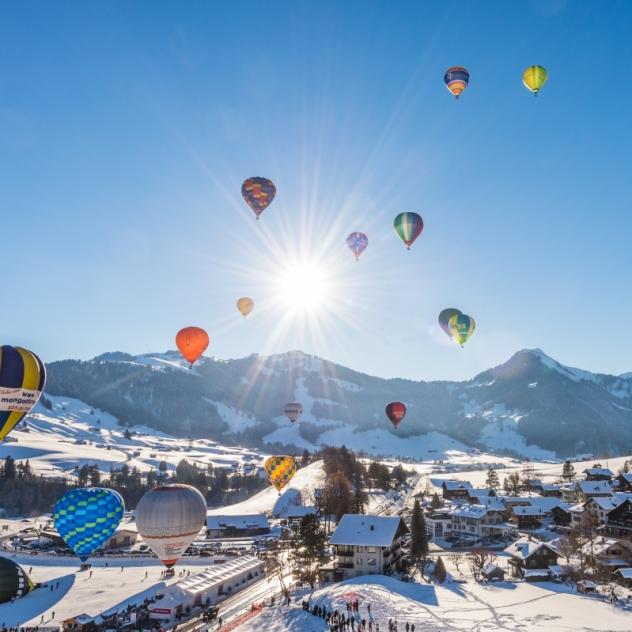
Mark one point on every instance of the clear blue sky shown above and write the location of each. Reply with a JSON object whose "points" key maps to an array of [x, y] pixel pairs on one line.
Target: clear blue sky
{"points": [[126, 129]]}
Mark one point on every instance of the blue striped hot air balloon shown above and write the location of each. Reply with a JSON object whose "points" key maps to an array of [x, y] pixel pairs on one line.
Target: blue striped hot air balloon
{"points": [[86, 517]]}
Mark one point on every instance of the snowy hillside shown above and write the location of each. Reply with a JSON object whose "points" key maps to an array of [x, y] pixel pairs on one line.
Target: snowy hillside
{"points": [[530, 406]]}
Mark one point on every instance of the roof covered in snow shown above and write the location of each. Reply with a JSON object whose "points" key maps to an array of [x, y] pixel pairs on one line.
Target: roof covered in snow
{"points": [[252, 521], [521, 510], [598, 471], [453, 485], [361, 530], [526, 547], [625, 572], [471, 511]]}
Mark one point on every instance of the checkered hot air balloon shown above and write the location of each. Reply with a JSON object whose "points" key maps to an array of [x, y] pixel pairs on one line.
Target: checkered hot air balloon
{"points": [[22, 379], [85, 518], [408, 227], [280, 470], [258, 193]]}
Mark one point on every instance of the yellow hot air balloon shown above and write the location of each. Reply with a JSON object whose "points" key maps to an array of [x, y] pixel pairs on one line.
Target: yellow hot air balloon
{"points": [[245, 305], [461, 327], [534, 77], [280, 470]]}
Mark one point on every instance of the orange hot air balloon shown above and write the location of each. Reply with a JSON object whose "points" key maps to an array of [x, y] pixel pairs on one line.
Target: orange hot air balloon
{"points": [[192, 343], [245, 306]]}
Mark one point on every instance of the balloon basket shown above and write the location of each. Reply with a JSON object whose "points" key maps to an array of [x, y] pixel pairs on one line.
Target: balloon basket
{"points": [[170, 572], [85, 566]]}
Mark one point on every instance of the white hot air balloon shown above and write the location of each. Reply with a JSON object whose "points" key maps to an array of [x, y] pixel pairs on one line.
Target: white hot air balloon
{"points": [[168, 519], [293, 411]]}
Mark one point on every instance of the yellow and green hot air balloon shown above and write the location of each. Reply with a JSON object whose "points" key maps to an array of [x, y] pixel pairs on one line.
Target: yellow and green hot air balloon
{"points": [[461, 327], [280, 470], [22, 379], [534, 77]]}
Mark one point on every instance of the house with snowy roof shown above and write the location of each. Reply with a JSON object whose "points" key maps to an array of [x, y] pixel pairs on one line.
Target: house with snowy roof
{"points": [[530, 559], [365, 545], [220, 526], [527, 517], [598, 474], [581, 491], [608, 553], [455, 490], [619, 520], [479, 521], [625, 481]]}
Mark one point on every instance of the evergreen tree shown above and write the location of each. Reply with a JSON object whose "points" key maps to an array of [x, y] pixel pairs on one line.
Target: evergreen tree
{"points": [[492, 480], [9, 471], [511, 484], [436, 503], [568, 472], [439, 572], [360, 500], [127, 434], [419, 536], [305, 458], [398, 474], [309, 547]]}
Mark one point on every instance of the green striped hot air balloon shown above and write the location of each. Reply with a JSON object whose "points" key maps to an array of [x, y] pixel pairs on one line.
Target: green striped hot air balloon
{"points": [[408, 227]]}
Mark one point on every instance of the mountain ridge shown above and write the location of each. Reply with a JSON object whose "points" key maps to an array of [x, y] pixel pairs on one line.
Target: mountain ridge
{"points": [[530, 405]]}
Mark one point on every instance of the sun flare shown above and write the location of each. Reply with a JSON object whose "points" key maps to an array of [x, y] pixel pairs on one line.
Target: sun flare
{"points": [[303, 287]]}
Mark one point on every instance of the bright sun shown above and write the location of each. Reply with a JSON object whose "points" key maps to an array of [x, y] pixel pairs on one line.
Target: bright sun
{"points": [[303, 287]]}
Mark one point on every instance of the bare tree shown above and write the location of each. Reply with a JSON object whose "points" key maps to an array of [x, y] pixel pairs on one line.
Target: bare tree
{"points": [[477, 558], [456, 559]]}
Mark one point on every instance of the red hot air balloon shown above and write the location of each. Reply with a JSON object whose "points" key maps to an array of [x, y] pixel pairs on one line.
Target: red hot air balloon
{"points": [[192, 343], [395, 411]]}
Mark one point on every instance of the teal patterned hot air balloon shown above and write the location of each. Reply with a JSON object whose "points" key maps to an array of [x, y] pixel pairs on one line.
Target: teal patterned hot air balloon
{"points": [[85, 518], [408, 226], [461, 327]]}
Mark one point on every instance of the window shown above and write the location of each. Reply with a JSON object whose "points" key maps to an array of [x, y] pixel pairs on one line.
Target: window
{"points": [[371, 549], [371, 561]]}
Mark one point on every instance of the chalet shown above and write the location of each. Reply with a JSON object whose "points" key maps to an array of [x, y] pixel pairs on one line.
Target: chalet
{"points": [[619, 522], [624, 576], [581, 491], [493, 572], [532, 484], [221, 526], [598, 474], [608, 554], [478, 520], [477, 495], [530, 559], [586, 586], [561, 515], [455, 490], [527, 517], [126, 535], [365, 545], [551, 490], [438, 525], [625, 481]]}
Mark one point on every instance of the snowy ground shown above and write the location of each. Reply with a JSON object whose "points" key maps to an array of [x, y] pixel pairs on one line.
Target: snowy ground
{"points": [[106, 591], [73, 434], [509, 607]]}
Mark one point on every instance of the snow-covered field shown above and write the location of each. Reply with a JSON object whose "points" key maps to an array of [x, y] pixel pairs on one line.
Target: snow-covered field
{"points": [[506, 607], [73, 433]]}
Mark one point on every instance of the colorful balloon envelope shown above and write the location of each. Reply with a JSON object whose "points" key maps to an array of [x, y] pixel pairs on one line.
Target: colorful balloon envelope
{"points": [[14, 582], [293, 410], [456, 80], [86, 517], [169, 518], [192, 343], [462, 327], [395, 411], [245, 305], [444, 319], [22, 380], [280, 470], [534, 77], [357, 243], [408, 227], [258, 193]]}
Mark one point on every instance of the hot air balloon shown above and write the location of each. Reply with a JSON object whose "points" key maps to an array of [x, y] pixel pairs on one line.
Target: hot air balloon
{"points": [[86, 517], [456, 80], [245, 305], [280, 470], [258, 193], [169, 518], [408, 226], [444, 318], [22, 379], [395, 411], [534, 77], [357, 243], [192, 342], [462, 327], [14, 582], [293, 410]]}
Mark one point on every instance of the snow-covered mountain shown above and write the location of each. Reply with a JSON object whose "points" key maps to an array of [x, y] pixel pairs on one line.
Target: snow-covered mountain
{"points": [[531, 405]]}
